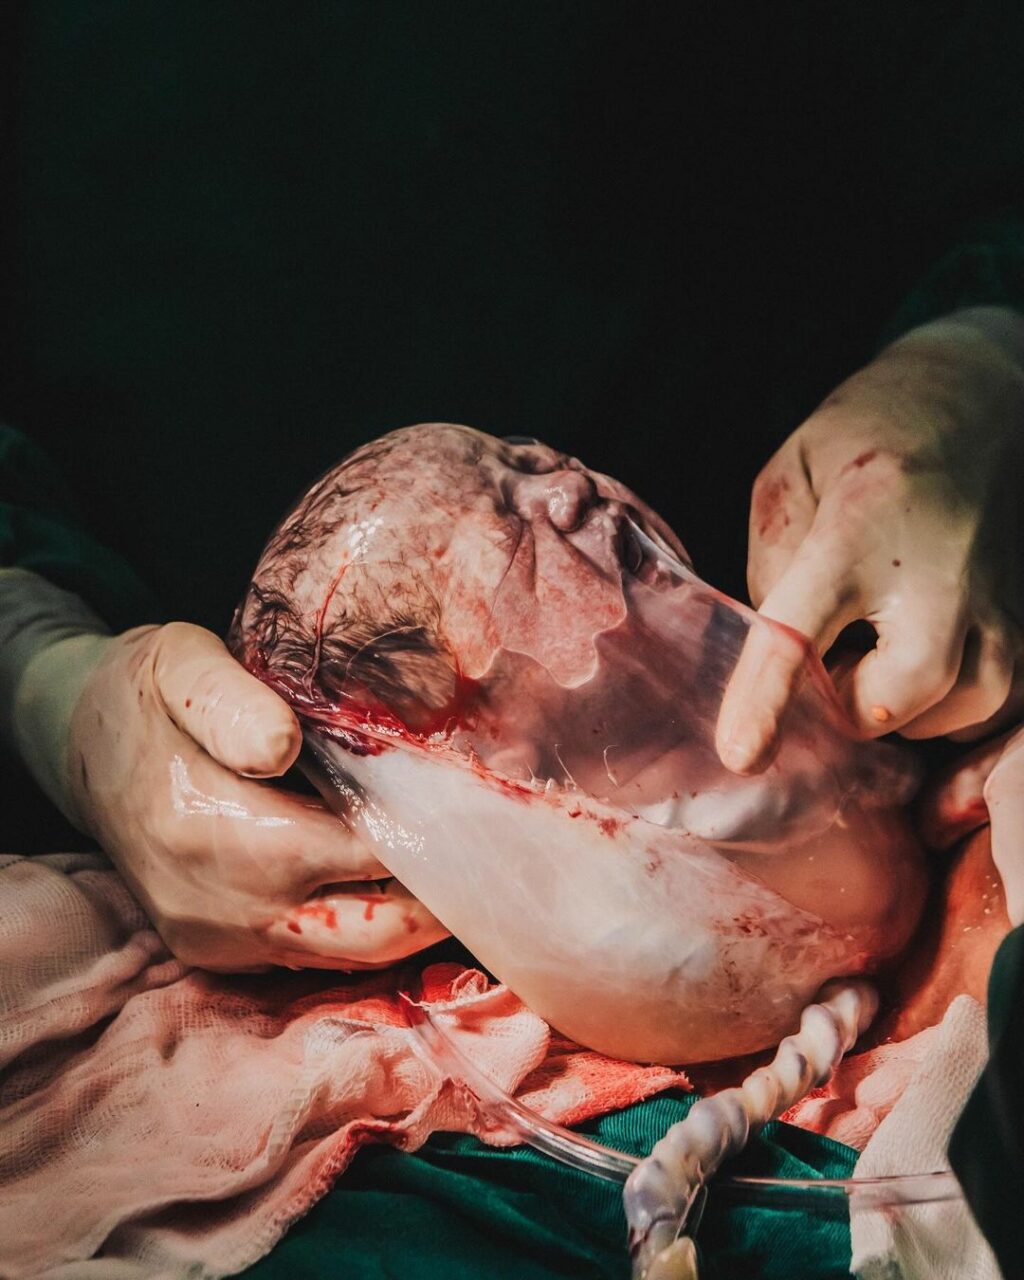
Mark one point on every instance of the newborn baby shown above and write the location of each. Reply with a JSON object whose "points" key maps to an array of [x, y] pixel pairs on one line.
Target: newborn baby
{"points": [[509, 678]]}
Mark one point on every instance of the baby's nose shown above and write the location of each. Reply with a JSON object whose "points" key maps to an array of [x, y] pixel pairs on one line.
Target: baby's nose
{"points": [[564, 497]]}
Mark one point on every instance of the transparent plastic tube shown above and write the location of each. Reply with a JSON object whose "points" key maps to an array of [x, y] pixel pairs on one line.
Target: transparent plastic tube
{"points": [[578, 1151], [573, 1149]]}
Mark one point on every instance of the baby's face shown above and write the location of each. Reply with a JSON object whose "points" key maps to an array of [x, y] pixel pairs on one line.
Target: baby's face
{"points": [[437, 547]]}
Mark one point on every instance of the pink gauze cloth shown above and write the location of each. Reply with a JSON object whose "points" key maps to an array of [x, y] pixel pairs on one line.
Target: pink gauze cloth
{"points": [[157, 1121]]}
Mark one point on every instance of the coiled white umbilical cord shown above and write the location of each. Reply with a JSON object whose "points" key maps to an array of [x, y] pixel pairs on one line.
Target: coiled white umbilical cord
{"points": [[661, 1189]]}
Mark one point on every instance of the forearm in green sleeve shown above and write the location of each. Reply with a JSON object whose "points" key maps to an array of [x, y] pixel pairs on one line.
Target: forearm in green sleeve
{"points": [[61, 594], [49, 642]]}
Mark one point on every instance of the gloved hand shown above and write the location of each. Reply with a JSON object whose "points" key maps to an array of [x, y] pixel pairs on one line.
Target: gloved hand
{"points": [[897, 503], [153, 742]]}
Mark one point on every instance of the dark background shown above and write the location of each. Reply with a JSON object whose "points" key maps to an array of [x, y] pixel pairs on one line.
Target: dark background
{"points": [[239, 239]]}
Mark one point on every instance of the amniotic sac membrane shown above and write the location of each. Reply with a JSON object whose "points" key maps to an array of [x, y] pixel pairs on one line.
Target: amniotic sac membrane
{"points": [[509, 678]]}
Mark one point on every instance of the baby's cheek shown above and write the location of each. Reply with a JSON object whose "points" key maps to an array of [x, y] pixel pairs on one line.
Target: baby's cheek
{"points": [[467, 577]]}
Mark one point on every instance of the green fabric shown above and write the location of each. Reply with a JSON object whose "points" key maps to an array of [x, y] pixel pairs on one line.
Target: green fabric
{"points": [[985, 269], [460, 1210], [38, 532], [987, 1148]]}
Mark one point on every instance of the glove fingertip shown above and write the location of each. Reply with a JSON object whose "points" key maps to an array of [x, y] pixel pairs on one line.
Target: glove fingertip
{"points": [[747, 750], [271, 753]]}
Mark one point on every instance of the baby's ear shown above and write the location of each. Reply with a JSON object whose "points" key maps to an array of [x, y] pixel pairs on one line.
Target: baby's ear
{"points": [[402, 667], [426, 689]]}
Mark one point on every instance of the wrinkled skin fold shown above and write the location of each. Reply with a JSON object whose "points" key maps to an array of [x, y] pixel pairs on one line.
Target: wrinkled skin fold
{"points": [[509, 678]]}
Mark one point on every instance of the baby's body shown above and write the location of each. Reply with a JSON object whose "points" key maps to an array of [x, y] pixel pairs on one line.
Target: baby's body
{"points": [[509, 678]]}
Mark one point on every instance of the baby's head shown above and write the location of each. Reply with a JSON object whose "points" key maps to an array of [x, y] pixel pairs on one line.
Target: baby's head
{"points": [[416, 560], [498, 597]]}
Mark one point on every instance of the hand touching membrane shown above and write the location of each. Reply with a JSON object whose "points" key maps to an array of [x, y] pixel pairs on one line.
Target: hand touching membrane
{"points": [[897, 503], [168, 739]]}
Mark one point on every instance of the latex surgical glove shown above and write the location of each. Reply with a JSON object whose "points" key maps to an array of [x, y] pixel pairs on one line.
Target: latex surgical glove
{"points": [[898, 502], [154, 742]]}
